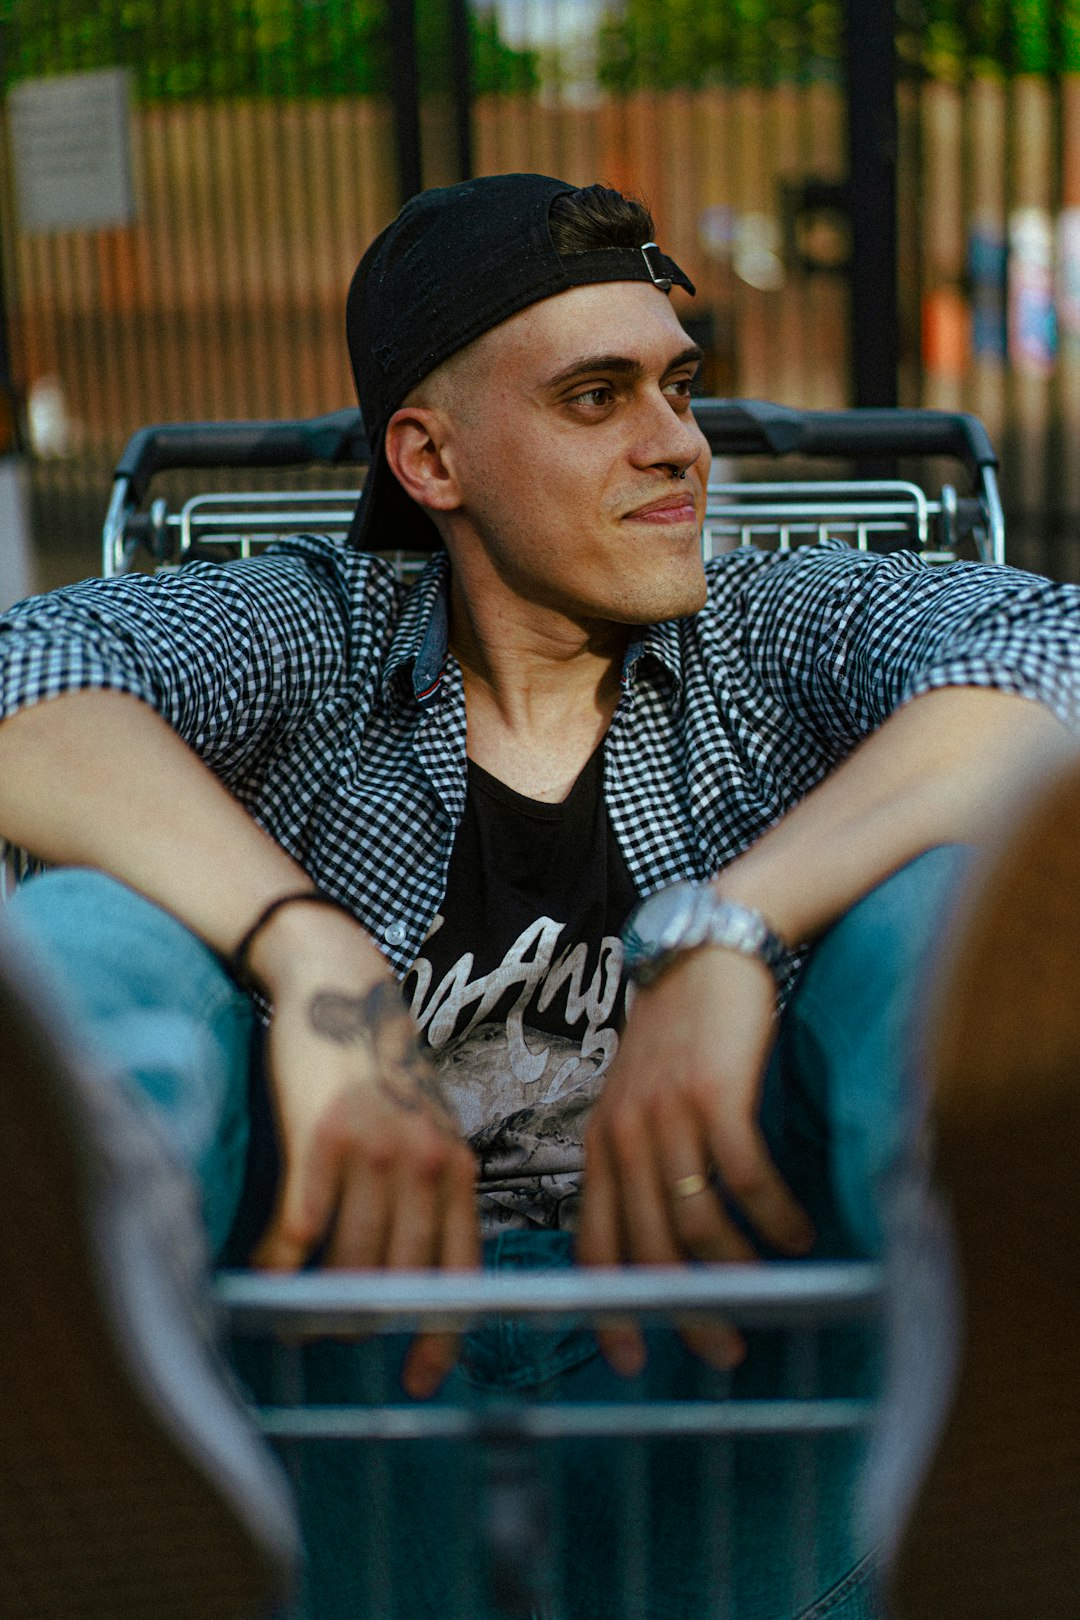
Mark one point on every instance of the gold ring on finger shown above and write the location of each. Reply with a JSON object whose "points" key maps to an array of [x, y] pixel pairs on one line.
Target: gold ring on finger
{"points": [[689, 1186]]}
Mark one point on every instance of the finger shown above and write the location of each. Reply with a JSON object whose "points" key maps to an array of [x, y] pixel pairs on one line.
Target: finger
{"points": [[302, 1214], [652, 1239], [432, 1355], [599, 1238], [413, 1244], [358, 1241], [717, 1344], [643, 1205], [756, 1186], [600, 1244], [700, 1223], [414, 1237], [461, 1244]]}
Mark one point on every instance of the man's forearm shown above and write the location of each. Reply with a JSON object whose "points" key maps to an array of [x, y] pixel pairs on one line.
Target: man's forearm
{"points": [[98, 779], [946, 768], [374, 1172]]}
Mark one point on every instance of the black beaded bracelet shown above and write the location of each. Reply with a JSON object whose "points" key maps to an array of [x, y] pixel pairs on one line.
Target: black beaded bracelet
{"points": [[237, 961]]}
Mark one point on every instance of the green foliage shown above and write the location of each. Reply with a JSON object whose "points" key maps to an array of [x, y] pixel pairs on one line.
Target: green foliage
{"points": [[661, 44], [987, 28], [279, 48], [944, 45], [292, 48], [1031, 36], [496, 65], [955, 39], [1070, 36], [823, 37]]}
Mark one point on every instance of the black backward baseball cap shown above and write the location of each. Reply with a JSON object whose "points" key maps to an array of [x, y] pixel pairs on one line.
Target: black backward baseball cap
{"points": [[455, 262]]}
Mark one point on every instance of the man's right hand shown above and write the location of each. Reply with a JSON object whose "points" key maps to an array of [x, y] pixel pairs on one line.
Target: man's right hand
{"points": [[376, 1173]]}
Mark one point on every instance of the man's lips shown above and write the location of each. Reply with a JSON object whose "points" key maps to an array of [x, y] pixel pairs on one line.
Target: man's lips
{"points": [[678, 508]]}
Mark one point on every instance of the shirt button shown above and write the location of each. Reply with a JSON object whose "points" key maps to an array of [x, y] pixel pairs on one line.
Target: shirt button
{"points": [[395, 933]]}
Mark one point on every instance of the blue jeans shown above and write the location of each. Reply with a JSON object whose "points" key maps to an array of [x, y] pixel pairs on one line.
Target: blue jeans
{"points": [[837, 1107]]}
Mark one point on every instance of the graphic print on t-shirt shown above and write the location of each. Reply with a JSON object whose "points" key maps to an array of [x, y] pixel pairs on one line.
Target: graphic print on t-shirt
{"points": [[521, 1092], [518, 991]]}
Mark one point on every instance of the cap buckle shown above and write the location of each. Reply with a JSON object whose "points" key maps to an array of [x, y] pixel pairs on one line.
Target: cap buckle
{"points": [[658, 280]]}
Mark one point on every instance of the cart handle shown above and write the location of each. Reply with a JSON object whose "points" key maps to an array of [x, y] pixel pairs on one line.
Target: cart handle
{"points": [[737, 427], [328, 440], [746, 427]]}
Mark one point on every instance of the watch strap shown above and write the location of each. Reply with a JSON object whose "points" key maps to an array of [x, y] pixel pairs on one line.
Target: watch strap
{"points": [[741, 928], [708, 919]]}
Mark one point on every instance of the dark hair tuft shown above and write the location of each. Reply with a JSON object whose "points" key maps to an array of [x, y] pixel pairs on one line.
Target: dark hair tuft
{"points": [[598, 217]]}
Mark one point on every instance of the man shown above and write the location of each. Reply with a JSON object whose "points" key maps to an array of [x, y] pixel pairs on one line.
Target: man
{"points": [[484, 775]]}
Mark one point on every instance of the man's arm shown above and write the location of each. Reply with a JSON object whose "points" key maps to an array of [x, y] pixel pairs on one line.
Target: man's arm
{"points": [[373, 1167], [683, 1092], [842, 640], [235, 657], [946, 768]]}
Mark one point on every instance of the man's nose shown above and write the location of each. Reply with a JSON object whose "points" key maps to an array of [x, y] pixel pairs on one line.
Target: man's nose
{"points": [[668, 438]]}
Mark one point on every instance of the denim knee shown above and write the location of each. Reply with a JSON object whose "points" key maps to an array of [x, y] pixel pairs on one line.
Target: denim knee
{"points": [[851, 1039], [154, 1003]]}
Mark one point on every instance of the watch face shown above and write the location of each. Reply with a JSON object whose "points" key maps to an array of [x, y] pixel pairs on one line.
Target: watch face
{"points": [[656, 928]]}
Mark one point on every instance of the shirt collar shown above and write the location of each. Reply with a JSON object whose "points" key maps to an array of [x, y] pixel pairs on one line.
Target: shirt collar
{"points": [[658, 644], [419, 645]]}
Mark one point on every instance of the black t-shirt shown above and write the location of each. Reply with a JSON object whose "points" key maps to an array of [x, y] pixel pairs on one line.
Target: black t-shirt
{"points": [[519, 990]]}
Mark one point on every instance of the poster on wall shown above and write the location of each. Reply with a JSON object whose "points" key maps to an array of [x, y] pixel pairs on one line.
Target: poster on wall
{"points": [[71, 150], [1032, 316]]}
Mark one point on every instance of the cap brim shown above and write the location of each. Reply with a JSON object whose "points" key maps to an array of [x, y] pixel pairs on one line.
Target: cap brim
{"points": [[386, 519]]}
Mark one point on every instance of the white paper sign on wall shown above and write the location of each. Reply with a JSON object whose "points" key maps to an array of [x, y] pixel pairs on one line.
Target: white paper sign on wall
{"points": [[71, 145]]}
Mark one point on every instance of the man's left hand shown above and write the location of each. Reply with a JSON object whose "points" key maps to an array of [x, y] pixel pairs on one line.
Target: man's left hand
{"points": [[676, 1121]]}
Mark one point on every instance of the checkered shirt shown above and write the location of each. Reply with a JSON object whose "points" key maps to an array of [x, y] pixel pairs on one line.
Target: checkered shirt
{"points": [[321, 691]]}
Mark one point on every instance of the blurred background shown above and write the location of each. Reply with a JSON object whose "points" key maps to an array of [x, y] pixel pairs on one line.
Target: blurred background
{"points": [[879, 203]]}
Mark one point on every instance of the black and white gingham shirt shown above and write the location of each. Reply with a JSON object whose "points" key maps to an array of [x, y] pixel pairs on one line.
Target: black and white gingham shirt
{"points": [[320, 690]]}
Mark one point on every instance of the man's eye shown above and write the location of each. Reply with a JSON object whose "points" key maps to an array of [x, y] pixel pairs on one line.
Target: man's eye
{"points": [[679, 387], [598, 396]]}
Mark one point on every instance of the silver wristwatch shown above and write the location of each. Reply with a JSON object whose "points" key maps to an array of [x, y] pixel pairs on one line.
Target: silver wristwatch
{"points": [[683, 916]]}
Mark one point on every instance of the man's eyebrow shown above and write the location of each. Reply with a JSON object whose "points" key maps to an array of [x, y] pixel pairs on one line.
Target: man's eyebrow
{"points": [[620, 365]]}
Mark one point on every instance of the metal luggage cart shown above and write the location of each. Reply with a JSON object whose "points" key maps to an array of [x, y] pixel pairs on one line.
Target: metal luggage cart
{"points": [[516, 1562], [504, 1456], [872, 513]]}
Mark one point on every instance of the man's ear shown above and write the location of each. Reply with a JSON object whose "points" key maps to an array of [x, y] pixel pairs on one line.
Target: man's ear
{"points": [[416, 444]]}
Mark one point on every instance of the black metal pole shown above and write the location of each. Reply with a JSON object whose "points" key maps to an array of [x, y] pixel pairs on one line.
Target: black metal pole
{"points": [[461, 70], [9, 422], [870, 64], [405, 90], [9, 404]]}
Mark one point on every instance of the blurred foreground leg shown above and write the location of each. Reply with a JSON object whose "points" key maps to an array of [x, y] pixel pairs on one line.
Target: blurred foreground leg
{"points": [[995, 1531], [131, 1485]]}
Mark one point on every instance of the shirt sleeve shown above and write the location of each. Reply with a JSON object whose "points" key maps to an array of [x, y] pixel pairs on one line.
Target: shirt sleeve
{"points": [[846, 638], [233, 656]]}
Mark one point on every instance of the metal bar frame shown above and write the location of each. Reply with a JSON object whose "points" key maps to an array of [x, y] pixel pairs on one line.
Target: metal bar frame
{"points": [[781, 1293], [753, 512], [525, 1423], [802, 1297]]}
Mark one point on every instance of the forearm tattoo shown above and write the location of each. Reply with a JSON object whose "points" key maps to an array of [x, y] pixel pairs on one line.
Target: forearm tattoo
{"points": [[379, 1022], [350, 1020]]}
